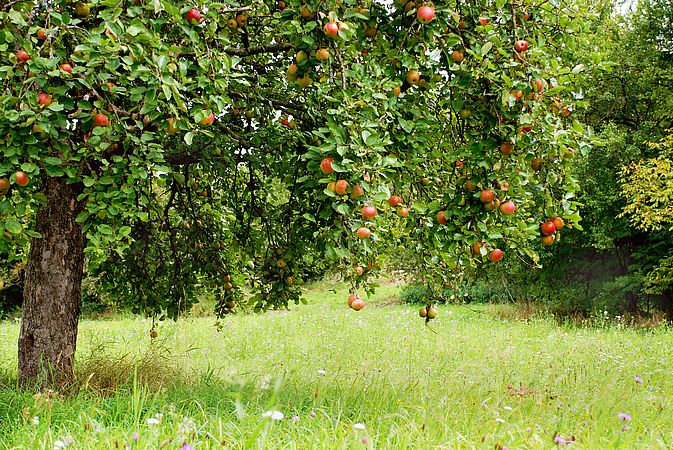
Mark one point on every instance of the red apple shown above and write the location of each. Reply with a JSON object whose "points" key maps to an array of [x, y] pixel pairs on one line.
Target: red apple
{"points": [[548, 228], [66, 68], [526, 128], [351, 298], [508, 208], [470, 185], [208, 120], [459, 163], [357, 304], [193, 15], [395, 200], [476, 248], [548, 240], [425, 14], [521, 45], [413, 77], [483, 21], [403, 212], [506, 148], [22, 56], [21, 178], [101, 120], [4, 186], [495, 255], [322, 54], [331, 29], [358, 191], [558, 223], [368, 212], [526, 15], [539, 85], [441, 217], [44, 99], [341, 187], [42, 34], [326, 165], [364, 232], [487, 196]]}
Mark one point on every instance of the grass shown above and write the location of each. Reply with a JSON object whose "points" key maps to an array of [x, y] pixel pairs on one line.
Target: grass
{"points": [[377, 378]]}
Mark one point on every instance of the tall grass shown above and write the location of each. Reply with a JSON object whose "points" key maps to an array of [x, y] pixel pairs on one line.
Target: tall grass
{"points": [[378, 378]]}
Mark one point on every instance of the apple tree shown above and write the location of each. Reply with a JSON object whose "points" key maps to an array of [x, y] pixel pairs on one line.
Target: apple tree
{"points": [[176, 146]]}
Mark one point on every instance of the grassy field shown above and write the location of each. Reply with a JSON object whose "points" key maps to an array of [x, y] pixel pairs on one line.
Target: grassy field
{"points": [[378, 378]]}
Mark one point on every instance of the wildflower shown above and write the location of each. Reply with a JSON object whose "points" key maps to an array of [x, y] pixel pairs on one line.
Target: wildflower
{"points": [[363, 439], [135, 436], [295, 419], [559, 440], [638, 379], [186, 447], [58, 445], [36, 420], [321, 372], [152, 421], [500, 420], [624, 416], [359, 426], [313, 414], [508, 408], [275, 415]]}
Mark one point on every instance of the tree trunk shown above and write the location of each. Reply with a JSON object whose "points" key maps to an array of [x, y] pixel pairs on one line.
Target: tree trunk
{"points": [[51, 296]]}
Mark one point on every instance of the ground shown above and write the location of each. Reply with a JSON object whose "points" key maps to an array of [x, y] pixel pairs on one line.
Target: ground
{"points": [[378, 378]]}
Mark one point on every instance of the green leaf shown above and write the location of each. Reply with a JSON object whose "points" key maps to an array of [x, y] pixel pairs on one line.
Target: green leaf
{"points": [[189, 137], [13, 226]]}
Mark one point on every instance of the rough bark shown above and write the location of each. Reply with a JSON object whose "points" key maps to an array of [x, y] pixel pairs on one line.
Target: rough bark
{"points": [[51, 296]]}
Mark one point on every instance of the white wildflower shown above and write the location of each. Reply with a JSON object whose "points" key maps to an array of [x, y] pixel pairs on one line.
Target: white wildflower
{"points": [[152, 421], [359, 426], [275, 415]]}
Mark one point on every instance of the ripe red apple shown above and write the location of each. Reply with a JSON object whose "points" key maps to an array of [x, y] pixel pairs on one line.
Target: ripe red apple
{"points": [[548, 228], [395, 200], [487, 195], [66, 68], [193, 15], [459, 163], [351, 298], [470, 185], [42, 34], [101, 120], [4, 186], [21, 178], [495, 255], [44, 99], [287, 123], [331, 29], [403, 212], [526, 15], [508, 208], [341, 187], [558, 223], [476, 248], [357, 304], [506, 148], [368, 212], [521, 45], [358, 191], [208, 120], [425, 14], [322, 54], [326, 165], [413, 77], [526, 128], [22, 56], [483, 21], [441, 217], [538, 85], [548, 240], [363, 232]]}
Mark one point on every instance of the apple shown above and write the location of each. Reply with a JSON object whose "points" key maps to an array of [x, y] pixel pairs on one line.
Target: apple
{"points": [[42, 34], [306, 13], [548, 240], [409, 6], [331, 29], [526, 128], [521, 45], [4, 186], [359, 270], [441, 217], [458, 56], [82, 10], [44, 99], [548, 228], [516, 94], [304, 81], [232, 24], [483, 21], [351, 298], [331, 186], [536, 164], [558, 222], [495, 255], [459, 163], [423, 312], [322, 54], [538, 85], [153, 333], [368, 212], [326, 165], [487, 196], [21, 178], [432, 312], [341, 187], [358, 191], [506, 148], [101, 120], [66, 68], [413, 77], [403, 212], [301, 56], [425, 14], [242, 20], [395, 200], [396, 91], [371, 32], [526, 15], [193, 15], [568, 153], [476, 247], [172, 129], [208, 120], [281, 5], [363, 232], [22, 56], [357, 304], [425, 181], [565, 112], [470, 185], [490, 206], [508, 208]]}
